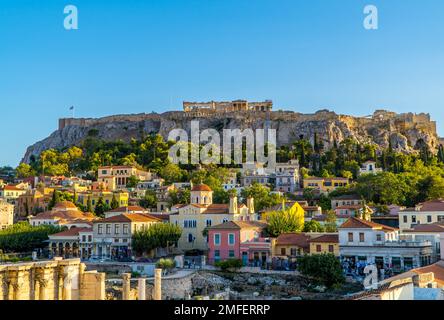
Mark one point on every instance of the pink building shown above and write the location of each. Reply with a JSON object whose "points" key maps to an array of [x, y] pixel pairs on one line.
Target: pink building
{"points": [[238, 240]]}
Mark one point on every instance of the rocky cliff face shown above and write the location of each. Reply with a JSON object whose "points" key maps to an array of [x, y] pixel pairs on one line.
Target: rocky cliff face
{"points": [[406, 132]]}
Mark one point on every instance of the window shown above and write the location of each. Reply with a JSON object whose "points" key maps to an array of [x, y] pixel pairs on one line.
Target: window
{"points": [[429, 219], [231, 239], [331, 248], [440, 218], [216, 253], [217, 239], [208, 222], [190, 237], [231, 253], [100, 229], [224, 220], [293, 252], [83, 238], [283, 252], [125, 229], [108, 229], [189, 224], [378, 237], [350, 237], [89, 238], [318, 248], [361, 237], [116, 229], [405, 219]]}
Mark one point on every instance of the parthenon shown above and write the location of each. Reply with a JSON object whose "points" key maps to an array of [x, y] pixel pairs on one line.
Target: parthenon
{"points": [[228, 106]]}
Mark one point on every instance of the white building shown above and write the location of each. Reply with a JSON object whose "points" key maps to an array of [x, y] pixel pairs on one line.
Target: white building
{"points": [[6, 214], [364, 242], [287, 176], [426, 232], [112, 236], [423, 213], [369, 167], [66, 214]]}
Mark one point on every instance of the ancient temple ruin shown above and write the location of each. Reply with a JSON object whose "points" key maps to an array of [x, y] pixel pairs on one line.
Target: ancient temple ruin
{"points": [[50, 280]]}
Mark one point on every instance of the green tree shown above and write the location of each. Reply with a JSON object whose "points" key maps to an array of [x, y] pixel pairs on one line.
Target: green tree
{"points": [[101, 208], [132, 182], [89, 207], [313, 226], [149, 200], [171, 173], [262, 196], [285, 220], [330, 222], [158, 235], [114, 202], [22, 237], [54, 200], [324, 268], [24, 170]]}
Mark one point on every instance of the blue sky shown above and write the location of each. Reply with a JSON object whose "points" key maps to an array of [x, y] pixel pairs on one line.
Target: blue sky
{"points": [[138, 56]]}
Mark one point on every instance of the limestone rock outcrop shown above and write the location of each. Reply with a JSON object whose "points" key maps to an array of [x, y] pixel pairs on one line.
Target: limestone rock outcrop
{"points": [[406, 131]]}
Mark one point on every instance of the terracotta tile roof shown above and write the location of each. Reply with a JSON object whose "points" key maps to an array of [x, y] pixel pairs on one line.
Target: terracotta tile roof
{"points": [[433, 227], [130, 217], [278, 207], [201, 187], [347, 197], [65, 215], [65, 204], [164, 217], [129, 209], [237, 225], [12, 188], [311, 208], [436, 268], [217, 209], [353, 222], [299, 239], [433, 205], [70, 232], [326, 238], [386, 287]]}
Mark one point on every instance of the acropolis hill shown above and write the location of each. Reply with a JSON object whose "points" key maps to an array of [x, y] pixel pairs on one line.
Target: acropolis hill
{"points": [[406, 131]]}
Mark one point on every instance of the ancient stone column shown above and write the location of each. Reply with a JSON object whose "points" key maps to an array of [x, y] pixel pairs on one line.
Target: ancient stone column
{"points": [[82, 268], [157, 284], [126, 288], [12, 285], [141, 287], [67, 286]]}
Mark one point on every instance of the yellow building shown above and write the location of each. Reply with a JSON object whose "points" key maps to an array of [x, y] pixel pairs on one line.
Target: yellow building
{"points": [[6, 214], [325, 185], [328, 243], [290, 245], [107, 196], [294, 244], [289, 207], [117, 177], [201, 213]]}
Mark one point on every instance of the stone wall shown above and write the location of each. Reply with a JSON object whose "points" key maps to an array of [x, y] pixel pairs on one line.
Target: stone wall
{"points": [[50, 280], [403, 130]]}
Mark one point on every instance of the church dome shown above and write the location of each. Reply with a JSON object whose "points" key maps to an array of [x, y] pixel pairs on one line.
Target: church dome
{"points": [[201, 187]]}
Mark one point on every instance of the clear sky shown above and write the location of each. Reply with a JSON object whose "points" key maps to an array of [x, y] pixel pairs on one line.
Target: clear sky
{"points": [[138, 56]]}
